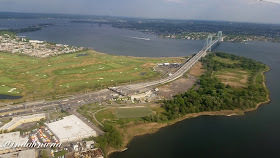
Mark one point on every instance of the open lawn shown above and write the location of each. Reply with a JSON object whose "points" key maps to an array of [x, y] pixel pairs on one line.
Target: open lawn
{"points": [[133, 112], [36, 78], [237, 78], [225, 60]]}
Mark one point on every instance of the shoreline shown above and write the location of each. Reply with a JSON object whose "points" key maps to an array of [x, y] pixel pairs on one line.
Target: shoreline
{"points": [[235, 112]]}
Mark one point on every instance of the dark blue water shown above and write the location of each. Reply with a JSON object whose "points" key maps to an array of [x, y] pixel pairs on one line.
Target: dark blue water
{"points": [[111, 40], [9, 97], [256, 134]]}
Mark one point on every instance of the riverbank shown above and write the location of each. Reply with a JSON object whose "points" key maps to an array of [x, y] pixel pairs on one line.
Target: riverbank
{"points": [[143, 128]]}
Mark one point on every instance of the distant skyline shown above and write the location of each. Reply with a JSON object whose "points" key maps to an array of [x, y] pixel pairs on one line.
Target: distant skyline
{"points": [[221, 10]]}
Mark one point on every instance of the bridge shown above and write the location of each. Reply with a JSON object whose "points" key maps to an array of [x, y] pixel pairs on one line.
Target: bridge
{"points": [[141, 87], [94, 97]]}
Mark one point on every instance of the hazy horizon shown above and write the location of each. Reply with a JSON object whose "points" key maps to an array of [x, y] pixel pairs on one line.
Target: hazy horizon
{"points": [[252, 11], [73, 14]]}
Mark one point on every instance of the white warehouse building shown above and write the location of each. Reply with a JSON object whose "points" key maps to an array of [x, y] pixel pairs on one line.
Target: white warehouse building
{"points": [[71, 129]]}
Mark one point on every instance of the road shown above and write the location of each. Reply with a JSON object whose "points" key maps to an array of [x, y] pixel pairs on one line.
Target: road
{"points": [[130, 89], [99, 96]]}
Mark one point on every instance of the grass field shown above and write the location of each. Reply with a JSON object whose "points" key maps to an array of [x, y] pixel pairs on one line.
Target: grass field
{"points": [[36, 78], [133, 112], [237, 78], [225, 60]]}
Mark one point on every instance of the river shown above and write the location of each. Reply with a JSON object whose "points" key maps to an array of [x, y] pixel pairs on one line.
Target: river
{"points": [[256, 134]]}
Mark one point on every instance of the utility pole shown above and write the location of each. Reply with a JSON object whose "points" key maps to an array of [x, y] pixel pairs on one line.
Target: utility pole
{"points": [[99, 99]]}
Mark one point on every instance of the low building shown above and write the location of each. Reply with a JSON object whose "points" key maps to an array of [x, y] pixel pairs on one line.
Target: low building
{"points": [[31, 153], [7, 139], [17, 121], [89, 144], [141, 96], [93, 153], [35, 41], [70, 129]]}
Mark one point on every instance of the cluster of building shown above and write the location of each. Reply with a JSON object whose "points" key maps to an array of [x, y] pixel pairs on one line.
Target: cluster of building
{"points": [[17, 121], [35, 48], [65, 134], [11, 137], [31, 153], [189, 35]]}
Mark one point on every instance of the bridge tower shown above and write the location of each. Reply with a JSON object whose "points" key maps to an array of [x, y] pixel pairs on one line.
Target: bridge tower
{"points": [[209, 42], [220, 36]]}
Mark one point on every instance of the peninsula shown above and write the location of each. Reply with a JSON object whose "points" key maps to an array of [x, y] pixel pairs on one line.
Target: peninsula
{"points": [[161, 91]]}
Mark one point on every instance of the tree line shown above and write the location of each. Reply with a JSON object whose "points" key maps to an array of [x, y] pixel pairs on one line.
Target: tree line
{"points": [[212, 94]]}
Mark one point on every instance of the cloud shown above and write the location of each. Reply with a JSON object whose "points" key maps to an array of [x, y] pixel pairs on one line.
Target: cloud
{"points": [[175, 1], [272, 1]]}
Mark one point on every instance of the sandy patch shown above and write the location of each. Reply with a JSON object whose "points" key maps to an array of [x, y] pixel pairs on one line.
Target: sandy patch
{"points": [[197, 70], [234, 84], [133, 129], [230, 74], [149, 65], [245, 72], [178, 86], [226, 77], [244, 79]]}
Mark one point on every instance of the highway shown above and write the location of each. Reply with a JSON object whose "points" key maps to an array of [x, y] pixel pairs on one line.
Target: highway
{"points": [[130, 89], [98, 97]]}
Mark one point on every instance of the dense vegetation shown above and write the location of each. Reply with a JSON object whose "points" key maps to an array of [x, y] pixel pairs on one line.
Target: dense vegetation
{"points": [[213, 95], [111, 138], [27, 29], [2, 33]]}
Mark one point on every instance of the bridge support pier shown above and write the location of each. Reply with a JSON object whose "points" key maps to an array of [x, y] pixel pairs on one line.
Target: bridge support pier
{"points": [[220, 36], [209, 42]]}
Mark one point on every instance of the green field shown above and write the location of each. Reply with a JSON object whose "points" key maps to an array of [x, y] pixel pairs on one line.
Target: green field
{"points": [[237, 77], [36, 78], [136, 112], [225, 60]]}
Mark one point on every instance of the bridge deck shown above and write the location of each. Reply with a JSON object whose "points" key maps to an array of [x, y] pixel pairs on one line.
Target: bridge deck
{"points": [[140, 87]]}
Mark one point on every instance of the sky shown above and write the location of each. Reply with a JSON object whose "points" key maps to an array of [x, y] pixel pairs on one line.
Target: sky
{"points": [[222, 10]]}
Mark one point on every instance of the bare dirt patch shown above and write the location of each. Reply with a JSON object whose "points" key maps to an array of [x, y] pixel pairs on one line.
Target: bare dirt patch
{"points": [[149, 65], [226, 77], [244, 79], [177, 87], [245, 72], [133, 129], [237, 79], [234, 84], [230, 74], [197, 70]]}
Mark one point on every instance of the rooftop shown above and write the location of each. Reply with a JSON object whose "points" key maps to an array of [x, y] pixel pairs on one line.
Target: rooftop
{"points": [[21, 154], [12, 136], [20, 118], [71, 128]]}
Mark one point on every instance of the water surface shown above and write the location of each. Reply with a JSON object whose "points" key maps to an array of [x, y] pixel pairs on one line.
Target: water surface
{"points": [[256, 134]]}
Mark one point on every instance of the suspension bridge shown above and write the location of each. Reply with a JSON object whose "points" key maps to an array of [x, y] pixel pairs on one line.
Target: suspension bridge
{"points": [[140, 87]]}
